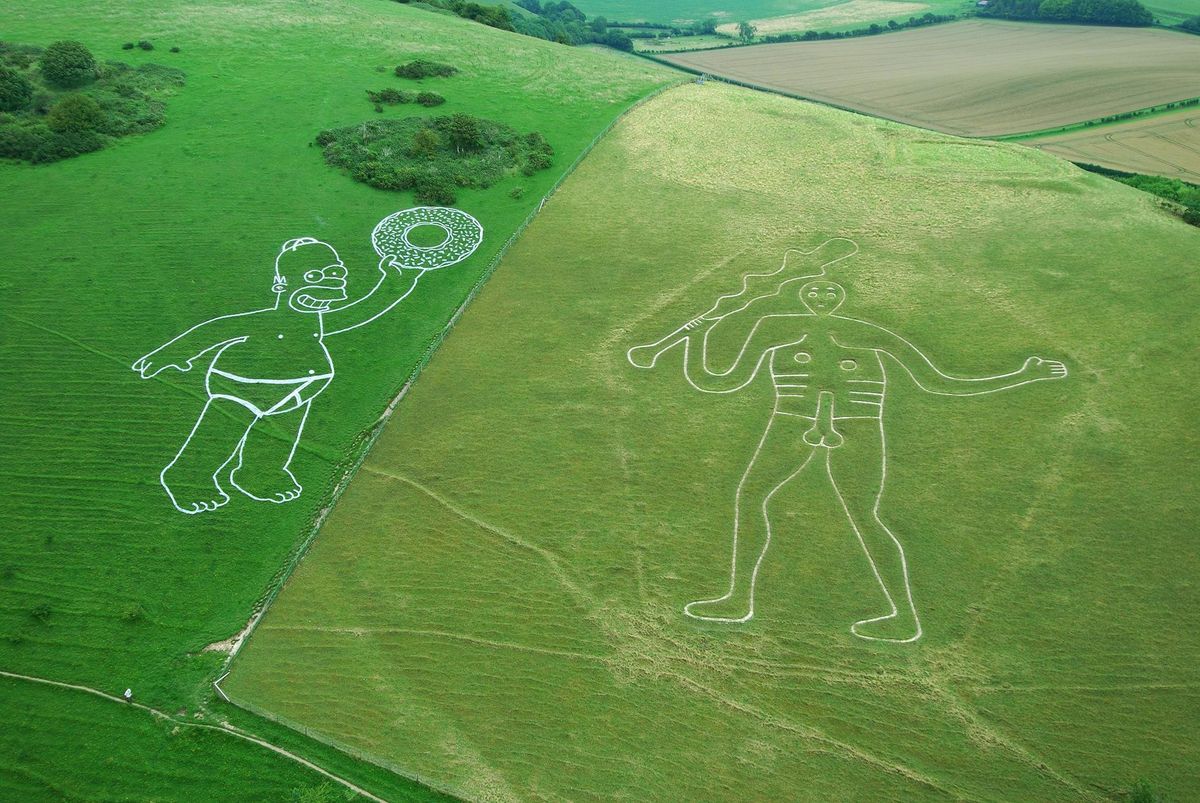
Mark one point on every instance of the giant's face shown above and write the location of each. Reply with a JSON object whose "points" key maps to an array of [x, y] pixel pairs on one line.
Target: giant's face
{"points": [[822, 297], [312, 275], [321, 287]]}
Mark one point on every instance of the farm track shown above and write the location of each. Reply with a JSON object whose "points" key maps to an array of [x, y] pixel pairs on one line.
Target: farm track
{"points": [[179, 721]]}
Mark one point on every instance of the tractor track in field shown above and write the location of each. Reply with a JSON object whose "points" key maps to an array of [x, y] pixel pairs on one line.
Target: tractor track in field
{"points": [[223, 727]]}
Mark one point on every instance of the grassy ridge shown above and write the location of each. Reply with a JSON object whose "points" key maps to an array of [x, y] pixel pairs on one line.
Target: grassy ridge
{"points": [[101, 581], [496, 602]]}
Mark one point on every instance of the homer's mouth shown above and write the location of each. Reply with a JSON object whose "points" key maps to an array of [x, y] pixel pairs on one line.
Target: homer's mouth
{"points": [[318, 299]]}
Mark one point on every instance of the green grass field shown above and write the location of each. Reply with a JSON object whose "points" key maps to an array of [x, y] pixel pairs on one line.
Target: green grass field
{"points": [[102, 582], [496, 602], [1174, 11]]}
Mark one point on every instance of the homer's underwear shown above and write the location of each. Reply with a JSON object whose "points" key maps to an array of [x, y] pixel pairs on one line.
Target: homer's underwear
{"points": [[265, 396]]}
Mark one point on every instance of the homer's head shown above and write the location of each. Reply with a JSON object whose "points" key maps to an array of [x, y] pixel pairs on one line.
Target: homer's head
{"points": [[822, 297], [311, 274]]}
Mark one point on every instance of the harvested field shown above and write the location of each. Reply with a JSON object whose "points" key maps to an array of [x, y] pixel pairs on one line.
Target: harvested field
{"points": [[1168, 145], [850, 13], [976, 78]]}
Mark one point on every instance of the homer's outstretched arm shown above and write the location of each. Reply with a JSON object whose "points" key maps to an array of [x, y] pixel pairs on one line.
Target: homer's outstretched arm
{"points": [[393, 287], [766, 334], [933, 380], [181, 351]]}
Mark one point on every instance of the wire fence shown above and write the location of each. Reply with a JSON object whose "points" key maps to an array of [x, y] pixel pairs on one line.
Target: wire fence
{"points": [[362, 447]]}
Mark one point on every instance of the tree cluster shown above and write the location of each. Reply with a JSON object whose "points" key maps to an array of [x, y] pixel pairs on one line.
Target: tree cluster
{"points": [[1191, 25], [1184, 195], [59, 102], [434, 156], [1091, 12], [563, 22], [423, 68]]}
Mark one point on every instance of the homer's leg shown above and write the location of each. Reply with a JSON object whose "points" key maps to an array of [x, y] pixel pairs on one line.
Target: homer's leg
{"points": [[262, 471], [190, 478], [857, 472], [781, 455]]}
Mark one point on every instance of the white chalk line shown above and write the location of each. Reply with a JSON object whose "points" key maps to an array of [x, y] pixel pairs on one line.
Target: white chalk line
{"points": [[222, 727], [317, 290], [442, 634], [822, 300]]}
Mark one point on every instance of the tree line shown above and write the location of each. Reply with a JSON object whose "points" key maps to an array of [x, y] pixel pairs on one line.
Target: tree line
{"points": [[1092, 12]]}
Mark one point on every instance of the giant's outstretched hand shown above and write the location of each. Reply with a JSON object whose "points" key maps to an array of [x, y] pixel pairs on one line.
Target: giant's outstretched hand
{"points": [[1037, 369], [157, 361]]}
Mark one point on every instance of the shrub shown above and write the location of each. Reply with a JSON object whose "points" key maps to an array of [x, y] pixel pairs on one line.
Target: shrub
{"points": [[434, 189], [1191, 25], [16, 92], [421, 68], [175, 49], [127, 46], [68, 64], [430, 99], [75, 113], [40, 612], [516, 192], [391, 96], [145, 44]]}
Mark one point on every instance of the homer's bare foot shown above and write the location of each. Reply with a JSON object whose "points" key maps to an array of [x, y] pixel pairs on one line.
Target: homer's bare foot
{"points": [[899, 627], [266, 486], [192, 496], [724, 609]]}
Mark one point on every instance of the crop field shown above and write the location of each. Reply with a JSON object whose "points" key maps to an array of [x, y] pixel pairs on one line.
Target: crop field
{"points": [[690, 10], [1164, 145], [848, 14], [102, 581], [976, 78], [497, 603]]}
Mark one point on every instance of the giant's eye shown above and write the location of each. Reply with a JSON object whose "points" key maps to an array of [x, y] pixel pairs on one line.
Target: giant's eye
{"points": [[831, 295], [812, 294], [313, 276]]}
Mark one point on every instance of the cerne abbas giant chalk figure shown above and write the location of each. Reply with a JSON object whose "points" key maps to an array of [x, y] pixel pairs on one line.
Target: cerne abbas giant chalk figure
{"points": [[271, 363]]}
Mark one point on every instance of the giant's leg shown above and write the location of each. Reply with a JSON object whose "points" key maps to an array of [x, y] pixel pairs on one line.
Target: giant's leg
{"points": [[190, 478], [781, 455], [262, 471], [857, 471]]}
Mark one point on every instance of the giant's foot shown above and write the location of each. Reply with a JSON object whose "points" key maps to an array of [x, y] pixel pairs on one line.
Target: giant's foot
{"points": [[899, 627], [276, 486], [722, 609], [190, 495]]}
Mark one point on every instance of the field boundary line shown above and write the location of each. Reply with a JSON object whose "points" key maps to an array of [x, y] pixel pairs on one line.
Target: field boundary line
{"points": [[224, 728], [1144, 113]]}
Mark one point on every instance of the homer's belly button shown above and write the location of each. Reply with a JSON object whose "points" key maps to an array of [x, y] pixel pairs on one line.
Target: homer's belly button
{"points": [[802, 357], [848, 365]]}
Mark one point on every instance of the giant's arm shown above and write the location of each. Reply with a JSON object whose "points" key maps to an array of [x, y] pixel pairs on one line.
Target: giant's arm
{"points": [[393, 286], [180, 351], [766, 334], [932, 379]]}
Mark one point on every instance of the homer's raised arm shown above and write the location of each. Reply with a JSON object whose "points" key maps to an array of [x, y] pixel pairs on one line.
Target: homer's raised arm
{"points": [[393, 287], [932, 379], [768, 333], [180, 351]]}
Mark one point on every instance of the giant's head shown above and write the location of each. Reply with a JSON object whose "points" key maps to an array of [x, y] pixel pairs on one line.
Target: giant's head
{"points": [[822, 297], [311, 273]]}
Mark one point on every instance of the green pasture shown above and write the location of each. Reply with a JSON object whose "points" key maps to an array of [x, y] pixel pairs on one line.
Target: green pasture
{"points": [[690, 10], [495, 604], [1174, 11], [109, 255]]}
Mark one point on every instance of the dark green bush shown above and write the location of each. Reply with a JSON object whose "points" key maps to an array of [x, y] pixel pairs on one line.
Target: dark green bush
{"points": [[430, 99], [68, 64], [127, 46], [433, 155], [75, 113], [145, 45], [16, 92], [175, 49], [422, 68], [391, 96]]}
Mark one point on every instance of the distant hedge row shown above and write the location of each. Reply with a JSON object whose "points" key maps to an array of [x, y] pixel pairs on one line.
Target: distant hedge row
{"points": [[1093, 12]]}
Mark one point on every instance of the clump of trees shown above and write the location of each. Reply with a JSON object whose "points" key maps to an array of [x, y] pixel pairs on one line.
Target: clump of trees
{"points": [[1191, 25], [393, 97], [67, 64], [423, 68], [434, 156], [60, 102], [554, 21], [1091, 12]]}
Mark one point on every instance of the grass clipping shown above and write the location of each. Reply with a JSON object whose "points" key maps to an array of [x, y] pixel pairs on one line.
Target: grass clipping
{"points": [[432, 156]]}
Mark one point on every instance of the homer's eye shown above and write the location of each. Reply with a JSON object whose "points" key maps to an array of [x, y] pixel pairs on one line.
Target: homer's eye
{"points": [[335, 272], [313, 276]]}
